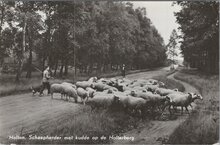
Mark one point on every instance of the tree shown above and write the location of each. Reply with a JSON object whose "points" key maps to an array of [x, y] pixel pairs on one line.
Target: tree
{"points": [[172, 45], [103, 35], [199, 23]]}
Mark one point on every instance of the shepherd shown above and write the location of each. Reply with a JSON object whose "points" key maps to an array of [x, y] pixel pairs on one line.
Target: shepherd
{"points": [[45, 80], [123, 70]]}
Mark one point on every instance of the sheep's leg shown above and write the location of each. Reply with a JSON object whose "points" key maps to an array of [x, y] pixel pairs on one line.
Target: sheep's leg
{"points": [[175, 108], [182, 109], [187, 109], [51, 95], [170, 109], [84, 100], [191, 106], [61, 96], [67, 98], [75, 100]]}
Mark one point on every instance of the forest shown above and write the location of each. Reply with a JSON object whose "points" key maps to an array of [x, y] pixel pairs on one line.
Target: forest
{"points": [[85, 35], [199, 24]]}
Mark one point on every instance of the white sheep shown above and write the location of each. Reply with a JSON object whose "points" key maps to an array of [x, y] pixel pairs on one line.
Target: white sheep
{"points": [[90, 91], [101, 100], [153, 100], [70, 84], [151, 88], [164, 92], [98, 86], [83, 94], [92, 79], [180, 99], [133, 104], [83, 84], [103, 80], [56, 88], [70, 92]]}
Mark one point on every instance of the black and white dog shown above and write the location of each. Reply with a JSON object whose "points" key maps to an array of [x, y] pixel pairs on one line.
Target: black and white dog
{"points": [[36, 89]]}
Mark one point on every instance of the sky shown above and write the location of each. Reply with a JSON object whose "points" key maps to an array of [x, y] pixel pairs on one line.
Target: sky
{"points": [[162, 17]]}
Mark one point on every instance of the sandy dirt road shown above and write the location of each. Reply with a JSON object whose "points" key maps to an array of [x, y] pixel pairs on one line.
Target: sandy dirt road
{"points": [[24, 113]]}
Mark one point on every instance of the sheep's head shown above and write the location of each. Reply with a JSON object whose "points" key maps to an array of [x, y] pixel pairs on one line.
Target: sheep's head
{"points": [[144, 90], [161, 84], [133, 93], [116, 100], [166, 99], [200, 97], [95, 79], [197, 96], [109, 91], [176, 89], [92, 85]]}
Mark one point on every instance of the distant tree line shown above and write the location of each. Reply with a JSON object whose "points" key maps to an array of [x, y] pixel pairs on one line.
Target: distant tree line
{"points": [[199, 23], [88, 34]]}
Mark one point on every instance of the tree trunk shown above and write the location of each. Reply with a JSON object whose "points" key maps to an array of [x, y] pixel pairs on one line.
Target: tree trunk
{"points": [[56, 66], [29, 71], [61, 69], [21, 54], [66, 68], [19, 70], [43, 63]]}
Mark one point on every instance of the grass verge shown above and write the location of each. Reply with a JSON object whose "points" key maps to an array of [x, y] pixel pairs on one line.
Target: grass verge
{"points": [[202, 126], [95, 125]]}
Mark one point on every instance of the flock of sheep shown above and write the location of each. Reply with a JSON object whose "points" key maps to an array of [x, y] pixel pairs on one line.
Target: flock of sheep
{"points": [[134, 96]]}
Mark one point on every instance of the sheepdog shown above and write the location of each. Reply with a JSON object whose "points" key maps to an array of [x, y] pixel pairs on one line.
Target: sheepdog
{"points": [[36, 89]]}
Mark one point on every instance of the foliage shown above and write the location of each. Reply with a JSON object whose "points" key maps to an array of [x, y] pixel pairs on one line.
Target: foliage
{"points": [[199, 23], [172, 45], [85, 35]]}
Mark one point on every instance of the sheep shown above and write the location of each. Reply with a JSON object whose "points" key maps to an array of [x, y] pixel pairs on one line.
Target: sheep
{"points": [[119, 87], [83, 94], [151, 88], [195, 97], [136, 84], [99, 86], [164, 92], [153, 100], [179, 99], [101, 100], [56, 88], [107, 87], [133, 104], [70, 92], [110, 90], [70, 84], [138, 88], [103, 80], [90, 91], [83, 84], [92, 79]]}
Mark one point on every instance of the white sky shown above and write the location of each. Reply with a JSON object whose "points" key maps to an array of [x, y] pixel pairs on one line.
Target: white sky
{"points": [[162, 16]]}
